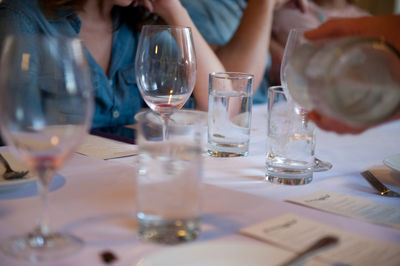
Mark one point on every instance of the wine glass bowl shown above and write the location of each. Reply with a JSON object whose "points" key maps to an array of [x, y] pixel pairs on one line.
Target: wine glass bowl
{"points": [[165, 68], [45, 112], [294, 40]]}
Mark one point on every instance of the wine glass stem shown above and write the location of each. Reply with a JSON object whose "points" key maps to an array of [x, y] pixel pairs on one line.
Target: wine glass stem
{"points": [[43, 187], [165, 128]]}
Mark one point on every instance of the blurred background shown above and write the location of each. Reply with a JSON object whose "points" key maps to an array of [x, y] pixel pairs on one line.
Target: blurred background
{"points": [[377, 7]]}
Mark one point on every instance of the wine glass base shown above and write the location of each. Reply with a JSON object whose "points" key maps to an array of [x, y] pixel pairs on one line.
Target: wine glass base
{"points": [[321, 166], [288, 181], [34, 247], [214, 153]]}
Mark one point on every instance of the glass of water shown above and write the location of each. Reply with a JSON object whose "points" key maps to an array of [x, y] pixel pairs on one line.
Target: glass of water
{"points": [[169, 178], [229, 113], [290, 141]]}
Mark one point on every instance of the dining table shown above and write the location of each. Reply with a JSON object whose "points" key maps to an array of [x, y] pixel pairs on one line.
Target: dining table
{"points": [[94, 199]]}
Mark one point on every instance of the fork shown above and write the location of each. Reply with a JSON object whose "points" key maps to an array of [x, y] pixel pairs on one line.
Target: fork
{"points": [[322, 243], [382, 189], [10, 174]]}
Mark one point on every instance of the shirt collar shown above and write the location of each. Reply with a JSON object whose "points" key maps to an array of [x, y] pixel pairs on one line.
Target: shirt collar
{"points": [[70, 16]]}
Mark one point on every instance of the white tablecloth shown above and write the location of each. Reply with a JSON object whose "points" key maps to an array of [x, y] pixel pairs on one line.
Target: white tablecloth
{"points": [[95, 199]]}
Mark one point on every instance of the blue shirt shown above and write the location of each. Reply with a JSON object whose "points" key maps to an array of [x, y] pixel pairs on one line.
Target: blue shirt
{"points": [[217, 21], [117, 98]]}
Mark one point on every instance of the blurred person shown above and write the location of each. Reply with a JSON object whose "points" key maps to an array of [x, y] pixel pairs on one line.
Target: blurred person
{"points": [[110, 31], [384, 27], [239, 32]]}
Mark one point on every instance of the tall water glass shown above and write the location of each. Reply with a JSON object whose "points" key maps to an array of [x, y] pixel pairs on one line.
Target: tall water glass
{"points": [[290, 142], [169, 178], [45, 111], [229, 113]]}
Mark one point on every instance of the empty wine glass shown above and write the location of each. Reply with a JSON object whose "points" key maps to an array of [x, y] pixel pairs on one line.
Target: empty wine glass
{"points": [[45, 111], [165, 68], [295, 39]]}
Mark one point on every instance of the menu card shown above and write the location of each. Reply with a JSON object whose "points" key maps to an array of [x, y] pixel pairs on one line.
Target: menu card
{"points": [[296, 233], [103, 148], [352, 206]]}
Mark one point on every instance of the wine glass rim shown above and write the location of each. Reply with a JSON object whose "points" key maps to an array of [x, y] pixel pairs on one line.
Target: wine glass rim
{"points": [[276, 89], [232, 75]]}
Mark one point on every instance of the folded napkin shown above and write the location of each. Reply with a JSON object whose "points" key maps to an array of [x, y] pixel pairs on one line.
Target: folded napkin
{"points": [[103, 148]]}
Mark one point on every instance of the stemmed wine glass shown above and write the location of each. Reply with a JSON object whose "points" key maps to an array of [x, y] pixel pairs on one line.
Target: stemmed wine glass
{"points": [[45, 110], [165, 68], [295, 39]]}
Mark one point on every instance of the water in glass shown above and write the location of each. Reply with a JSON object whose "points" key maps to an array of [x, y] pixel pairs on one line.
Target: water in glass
{"points": [[169, 181]]}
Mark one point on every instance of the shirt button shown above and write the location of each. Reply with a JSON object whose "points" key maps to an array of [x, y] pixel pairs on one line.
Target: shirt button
{"points": [[115, 114], [110, 82]]}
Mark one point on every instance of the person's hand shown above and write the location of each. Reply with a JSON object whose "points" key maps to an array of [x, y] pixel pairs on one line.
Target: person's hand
{"points": [[162, 8], [384, 27], [331, 124], [147, 3]]}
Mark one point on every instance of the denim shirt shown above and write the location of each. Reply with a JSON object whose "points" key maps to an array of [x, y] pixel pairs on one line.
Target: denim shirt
{"points": [[217, 21], [117, 98]]}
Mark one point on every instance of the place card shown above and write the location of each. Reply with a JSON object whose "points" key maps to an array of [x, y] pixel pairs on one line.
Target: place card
{"points": [[103, 148], [296, 233], [352, 206]]}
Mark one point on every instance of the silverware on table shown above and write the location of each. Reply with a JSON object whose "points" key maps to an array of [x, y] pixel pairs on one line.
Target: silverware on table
{"points": [[382, 189], [322, 243], [10, 174]]}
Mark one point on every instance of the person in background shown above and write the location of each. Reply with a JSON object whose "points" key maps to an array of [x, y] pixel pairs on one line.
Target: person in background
{"points": [[384, 27], [109, 30], [288, 16], [239, 32]]}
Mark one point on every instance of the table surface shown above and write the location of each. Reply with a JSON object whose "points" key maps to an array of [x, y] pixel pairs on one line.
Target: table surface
{"points": [[95, 199]]}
